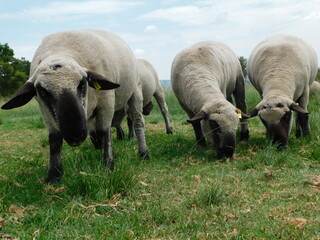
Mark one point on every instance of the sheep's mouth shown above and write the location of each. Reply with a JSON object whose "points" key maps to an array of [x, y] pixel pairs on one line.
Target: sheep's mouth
{"points": [[223, 143], [71, 119], [225, 146], [279, 132]]}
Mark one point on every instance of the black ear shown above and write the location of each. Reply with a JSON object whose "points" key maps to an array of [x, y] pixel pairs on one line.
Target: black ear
{"points": [[22, 96], [198, 117], [99, 82], [295, 107]]}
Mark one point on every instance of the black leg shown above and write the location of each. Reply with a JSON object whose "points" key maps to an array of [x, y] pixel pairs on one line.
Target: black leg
{"points": [[130, 126], [104, 137], [239, 96], [201, 141], [120, 133], [95, 140], [55, 166], [302, 125]]}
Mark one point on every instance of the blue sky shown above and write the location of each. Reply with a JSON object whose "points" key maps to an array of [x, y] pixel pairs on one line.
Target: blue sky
{"points": [[157, 30]]}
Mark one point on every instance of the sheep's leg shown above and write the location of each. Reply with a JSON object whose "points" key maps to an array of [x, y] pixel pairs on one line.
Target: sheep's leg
{"points": [[94, 140], [130, 126], [55, 165], [92, 131], [116, 122], [106, 137], [239, 96], [160, 98], [120, 133], [135, 110], [302, 120], [103, 121], [201, 141], [147, 108]]}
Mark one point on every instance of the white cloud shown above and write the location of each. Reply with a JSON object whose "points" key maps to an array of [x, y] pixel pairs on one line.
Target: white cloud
{"points": [[206, 12], [139, 52], [169, 1], [62, 10], [25, 51], [185, 15], [151, 28], [315, 15]]}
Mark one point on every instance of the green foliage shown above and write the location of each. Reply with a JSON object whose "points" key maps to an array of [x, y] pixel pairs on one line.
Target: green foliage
{"points": [[318, 75], [6, 53], [13, 72], [243, 63]]}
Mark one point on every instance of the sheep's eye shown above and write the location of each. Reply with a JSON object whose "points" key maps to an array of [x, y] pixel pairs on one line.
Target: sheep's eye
{"points": [[56, 66], [280, 105]]}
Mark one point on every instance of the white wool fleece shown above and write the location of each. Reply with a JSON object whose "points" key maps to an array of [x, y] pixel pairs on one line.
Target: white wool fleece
{"points": [[204, 72], [283, 66]]}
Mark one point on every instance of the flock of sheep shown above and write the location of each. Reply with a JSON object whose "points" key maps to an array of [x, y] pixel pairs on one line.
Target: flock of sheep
{"points": [[87, 81]]}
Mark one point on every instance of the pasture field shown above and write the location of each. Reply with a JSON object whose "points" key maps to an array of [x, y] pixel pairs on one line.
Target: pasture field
{"points": [[182, 192]]}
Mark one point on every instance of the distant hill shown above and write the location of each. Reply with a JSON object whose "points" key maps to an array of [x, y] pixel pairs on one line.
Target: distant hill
{"points": [[166, 84]]}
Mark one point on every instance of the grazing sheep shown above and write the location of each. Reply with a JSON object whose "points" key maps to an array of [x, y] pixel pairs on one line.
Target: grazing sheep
{"points": [[63, 67], [282, 68], [315, 88], [203, 78], [151, 87]]}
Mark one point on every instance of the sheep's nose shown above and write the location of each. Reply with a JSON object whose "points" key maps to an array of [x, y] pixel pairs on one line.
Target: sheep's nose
{"points": [[226, 152]]}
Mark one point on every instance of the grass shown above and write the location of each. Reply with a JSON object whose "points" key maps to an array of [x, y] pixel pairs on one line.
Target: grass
{"points": [[182, 192]]}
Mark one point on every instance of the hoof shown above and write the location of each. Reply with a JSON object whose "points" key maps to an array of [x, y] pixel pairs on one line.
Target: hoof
{"points": [[145, 155], [170, 131], [109, 163], [52, 180], [54, 175]]}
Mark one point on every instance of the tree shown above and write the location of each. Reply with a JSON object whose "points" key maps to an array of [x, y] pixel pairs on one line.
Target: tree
{"points": [[318, 75], [243, 62], [6, 53], [13, 72]]}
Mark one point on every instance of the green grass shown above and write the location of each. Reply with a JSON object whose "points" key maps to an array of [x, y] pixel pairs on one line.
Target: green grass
{"points": [[182, 192]]}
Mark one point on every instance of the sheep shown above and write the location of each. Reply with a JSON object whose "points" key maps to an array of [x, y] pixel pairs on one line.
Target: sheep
{"points": [[63, 67], [315, 88], [204, 77], [150, 87], [282, 69]]}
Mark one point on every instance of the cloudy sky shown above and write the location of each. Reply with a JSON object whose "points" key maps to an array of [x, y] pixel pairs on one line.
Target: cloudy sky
{"points": [[157, 30]]}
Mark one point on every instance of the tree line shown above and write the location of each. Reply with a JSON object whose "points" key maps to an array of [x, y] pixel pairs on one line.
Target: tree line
{"points": [[13, 72]]}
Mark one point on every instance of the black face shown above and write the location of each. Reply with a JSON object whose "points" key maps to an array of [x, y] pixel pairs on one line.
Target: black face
{"points": [[224, 143], [82, 90], [67, 110], [279, 133], [47, 98]]}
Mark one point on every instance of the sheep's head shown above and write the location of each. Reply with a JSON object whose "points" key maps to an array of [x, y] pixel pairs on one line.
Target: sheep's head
{"points": [[60, 87], [276, 116], [220, 128]]}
